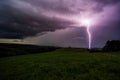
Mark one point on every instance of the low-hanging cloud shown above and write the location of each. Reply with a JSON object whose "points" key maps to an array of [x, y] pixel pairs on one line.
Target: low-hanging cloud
{"points": [[23, 18]]}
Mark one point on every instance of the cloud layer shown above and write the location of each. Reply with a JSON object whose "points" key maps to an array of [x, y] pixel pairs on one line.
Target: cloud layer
{"points": [[26, 18]]}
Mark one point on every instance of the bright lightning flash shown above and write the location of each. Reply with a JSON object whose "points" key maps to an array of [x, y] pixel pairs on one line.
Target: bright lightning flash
{"points": [[87, 23]]}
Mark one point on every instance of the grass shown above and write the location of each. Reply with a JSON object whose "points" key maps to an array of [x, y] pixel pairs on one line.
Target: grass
{"points": [[62, 64]]}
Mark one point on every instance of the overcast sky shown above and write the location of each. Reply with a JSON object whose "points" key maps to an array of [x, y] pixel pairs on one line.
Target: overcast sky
{"points": [[57, 22]]}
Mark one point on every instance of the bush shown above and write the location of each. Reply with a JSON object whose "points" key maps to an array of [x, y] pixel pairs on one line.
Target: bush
{"points": [[112, 46]]}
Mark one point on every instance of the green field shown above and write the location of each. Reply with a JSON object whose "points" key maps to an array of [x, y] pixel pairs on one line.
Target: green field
{"points": [[62, 64]]}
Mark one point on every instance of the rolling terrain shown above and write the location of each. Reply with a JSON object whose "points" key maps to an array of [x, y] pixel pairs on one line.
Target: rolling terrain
{"points": [[62, 64]]}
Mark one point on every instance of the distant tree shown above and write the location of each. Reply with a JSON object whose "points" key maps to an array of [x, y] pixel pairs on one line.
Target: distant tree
{"points": [[113, 45]]}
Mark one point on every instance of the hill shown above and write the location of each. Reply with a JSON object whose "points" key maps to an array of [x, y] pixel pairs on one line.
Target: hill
{"points": [[62, 64], [20, 49]]}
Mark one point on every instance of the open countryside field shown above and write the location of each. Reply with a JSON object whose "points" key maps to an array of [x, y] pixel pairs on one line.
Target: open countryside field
{"points": [[62, 64]]}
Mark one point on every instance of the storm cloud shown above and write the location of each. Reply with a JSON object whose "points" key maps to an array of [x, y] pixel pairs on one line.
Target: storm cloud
{"points": [[19, 19], [23, 18], [33, 18]]}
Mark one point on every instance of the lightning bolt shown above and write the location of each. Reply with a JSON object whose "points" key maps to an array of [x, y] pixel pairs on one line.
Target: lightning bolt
{"points": [[89, 36]]}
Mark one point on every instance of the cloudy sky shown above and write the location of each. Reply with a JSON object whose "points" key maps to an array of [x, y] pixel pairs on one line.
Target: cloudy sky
{"points": [[57, 22]]}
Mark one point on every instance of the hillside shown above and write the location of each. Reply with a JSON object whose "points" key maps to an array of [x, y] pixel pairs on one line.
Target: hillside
{"points": [[62, 64], [7, 49]]}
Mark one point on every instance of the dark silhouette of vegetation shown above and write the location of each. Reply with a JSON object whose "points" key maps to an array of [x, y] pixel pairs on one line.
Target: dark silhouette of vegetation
{"points": [[112, 46], [20, 49]]}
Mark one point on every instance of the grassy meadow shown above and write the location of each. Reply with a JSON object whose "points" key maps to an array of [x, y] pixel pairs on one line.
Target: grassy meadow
{"points": [[61, 64]]}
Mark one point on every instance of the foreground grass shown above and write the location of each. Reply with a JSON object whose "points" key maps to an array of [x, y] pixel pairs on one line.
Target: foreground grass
{"points": [[62, 64]]}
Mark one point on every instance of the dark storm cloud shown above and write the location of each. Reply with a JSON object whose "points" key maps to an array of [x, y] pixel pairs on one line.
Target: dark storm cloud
{"points": [[107, 1], [54, 5], [17, 21], [23, 18]]}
